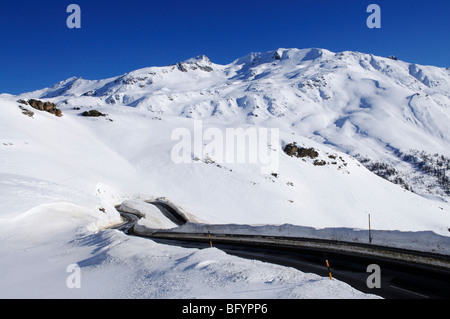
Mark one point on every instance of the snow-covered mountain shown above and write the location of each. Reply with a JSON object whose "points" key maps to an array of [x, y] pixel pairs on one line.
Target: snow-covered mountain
{"points": [[344, 119], [392, 115]]}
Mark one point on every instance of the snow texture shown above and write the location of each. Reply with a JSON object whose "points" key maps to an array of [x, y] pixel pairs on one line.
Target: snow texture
{"points": [[61, 177]]}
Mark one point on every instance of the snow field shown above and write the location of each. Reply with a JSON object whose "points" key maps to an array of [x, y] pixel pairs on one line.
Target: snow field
{"points": [[60, 178]]}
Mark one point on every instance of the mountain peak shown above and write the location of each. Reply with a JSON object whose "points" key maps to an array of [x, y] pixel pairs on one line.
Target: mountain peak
{"points": [[198, 59], [282, 54], [200, 62]]}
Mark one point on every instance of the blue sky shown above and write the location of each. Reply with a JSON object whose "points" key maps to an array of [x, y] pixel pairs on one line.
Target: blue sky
{"points": [[37, 49]]}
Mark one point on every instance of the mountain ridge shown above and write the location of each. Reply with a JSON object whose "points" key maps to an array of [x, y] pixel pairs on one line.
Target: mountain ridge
{"points": [[377, 108]]}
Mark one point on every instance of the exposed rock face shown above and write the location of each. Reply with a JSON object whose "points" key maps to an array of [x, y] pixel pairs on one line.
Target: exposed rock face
{"points": [[201, 62], [93, 113], [293, 150], [181, 67], [43, 106], [276, 56], [307, 152], [25, 111]]}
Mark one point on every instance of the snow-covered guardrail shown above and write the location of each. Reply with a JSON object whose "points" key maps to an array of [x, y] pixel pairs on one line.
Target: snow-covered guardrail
{"points": [[357, 249], [420, 248]]}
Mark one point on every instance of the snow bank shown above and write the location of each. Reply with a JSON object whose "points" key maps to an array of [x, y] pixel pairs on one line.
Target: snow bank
{"points": [[53, 230], [151, 215], [211, 273], [424, 241], [41, 248]]}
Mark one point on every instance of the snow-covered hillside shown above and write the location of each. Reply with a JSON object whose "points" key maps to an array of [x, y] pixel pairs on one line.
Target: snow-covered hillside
{"points": [[60, 176], [381, 110]]}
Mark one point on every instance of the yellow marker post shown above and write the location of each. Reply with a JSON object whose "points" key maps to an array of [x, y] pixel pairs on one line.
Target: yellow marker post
{"points": [[329, 271], [210, 241]]}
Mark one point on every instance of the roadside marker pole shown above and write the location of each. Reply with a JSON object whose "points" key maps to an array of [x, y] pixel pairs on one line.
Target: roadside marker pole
{"points": [[210, 241], [370, 233], [329, 271]]}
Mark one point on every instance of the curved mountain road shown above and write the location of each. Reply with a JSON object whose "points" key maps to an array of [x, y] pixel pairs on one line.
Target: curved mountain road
{"points": [[399, 279]]}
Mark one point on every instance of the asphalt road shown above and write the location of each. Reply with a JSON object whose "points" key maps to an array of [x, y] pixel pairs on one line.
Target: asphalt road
{"points": [[398, 280]]}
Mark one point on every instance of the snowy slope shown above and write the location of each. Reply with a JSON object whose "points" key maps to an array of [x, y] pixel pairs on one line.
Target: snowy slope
{"points": [[39, 251], [60, 177], [364, 105]]}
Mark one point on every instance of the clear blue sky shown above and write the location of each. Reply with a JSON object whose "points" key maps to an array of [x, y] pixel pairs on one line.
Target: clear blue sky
{"points": [[38, 50]]}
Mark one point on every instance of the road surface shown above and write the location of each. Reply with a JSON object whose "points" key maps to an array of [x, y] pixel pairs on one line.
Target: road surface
{"points": [[398, 280]]}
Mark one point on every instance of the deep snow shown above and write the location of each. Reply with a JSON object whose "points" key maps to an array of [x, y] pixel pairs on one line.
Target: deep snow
{"points": [[60, 178]]}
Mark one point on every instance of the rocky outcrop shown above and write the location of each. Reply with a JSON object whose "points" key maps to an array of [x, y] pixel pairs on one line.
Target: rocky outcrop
{"points": [[200, 62], [43, 106], [25, 111], [92, 113], [293, 150]]}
